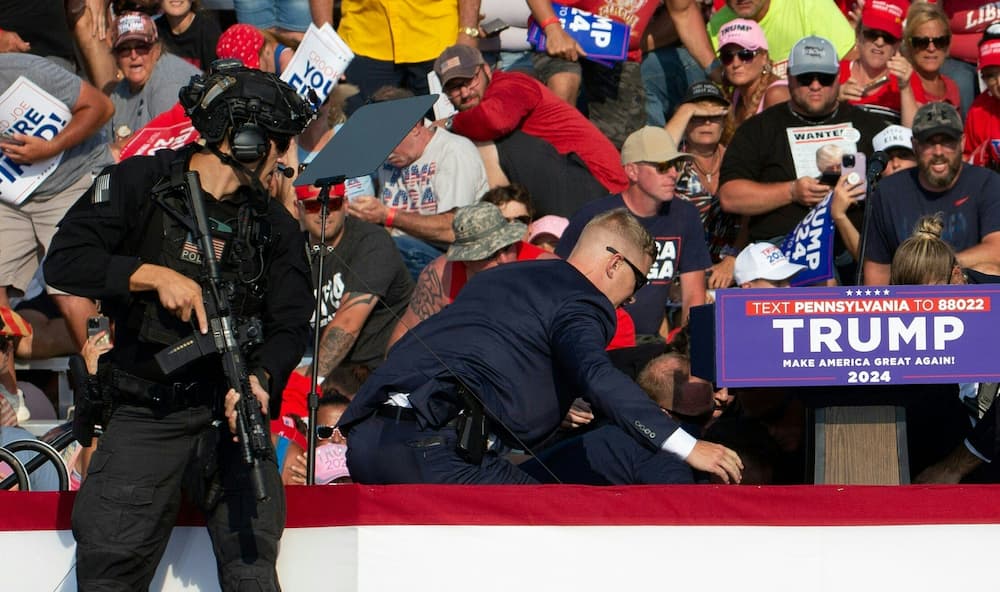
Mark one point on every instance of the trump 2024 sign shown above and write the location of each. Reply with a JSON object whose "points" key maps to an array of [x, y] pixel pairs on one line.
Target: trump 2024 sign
{"points": [[857, 335]]}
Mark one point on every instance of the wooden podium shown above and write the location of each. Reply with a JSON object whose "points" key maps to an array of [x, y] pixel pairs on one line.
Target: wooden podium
{"points": [[861, 446]]}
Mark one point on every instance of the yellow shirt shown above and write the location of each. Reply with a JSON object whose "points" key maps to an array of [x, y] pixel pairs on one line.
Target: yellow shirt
{"points": [[399, 31], [787, 21]]}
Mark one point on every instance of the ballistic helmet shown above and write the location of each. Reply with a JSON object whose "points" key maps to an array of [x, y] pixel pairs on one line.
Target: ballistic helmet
{"points": [[252, 106]]}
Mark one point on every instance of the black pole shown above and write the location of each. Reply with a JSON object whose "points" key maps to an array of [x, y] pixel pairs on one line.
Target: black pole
{"points": [[873, 174], [319, 251]]}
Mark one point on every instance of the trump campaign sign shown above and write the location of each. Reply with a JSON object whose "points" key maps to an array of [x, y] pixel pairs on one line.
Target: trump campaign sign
{"points": [[856, 335], [25, 108], [171, 129], [605, 41]]}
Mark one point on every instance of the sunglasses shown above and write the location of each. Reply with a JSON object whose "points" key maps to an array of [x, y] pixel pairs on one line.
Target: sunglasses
{"points": [[745, 55], [325, 432], [522, 219], [807, 78], [640, 278], [665, 167], [142, 49], [313, 206], [871, 35], [703, 119], [923, 43]]}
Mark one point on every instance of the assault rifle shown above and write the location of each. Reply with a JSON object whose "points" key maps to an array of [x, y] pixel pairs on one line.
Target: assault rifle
{"points": [[225, 337]]}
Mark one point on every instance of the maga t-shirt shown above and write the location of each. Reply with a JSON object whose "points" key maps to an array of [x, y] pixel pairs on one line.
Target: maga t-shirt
{"points": [[365, 261], [680, 248]]}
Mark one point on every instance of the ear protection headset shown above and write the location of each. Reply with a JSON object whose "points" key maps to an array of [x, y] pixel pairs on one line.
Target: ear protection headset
{"points": [[252, 106]]}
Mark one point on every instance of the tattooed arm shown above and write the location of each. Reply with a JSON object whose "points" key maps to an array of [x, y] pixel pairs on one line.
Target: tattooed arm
{"points": [[339, 336], [429, 296]]}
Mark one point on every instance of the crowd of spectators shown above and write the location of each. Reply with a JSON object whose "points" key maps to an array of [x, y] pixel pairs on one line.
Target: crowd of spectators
{"points": [[691, 132]]}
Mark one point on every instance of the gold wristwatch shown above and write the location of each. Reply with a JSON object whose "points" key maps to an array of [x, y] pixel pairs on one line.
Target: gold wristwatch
{"points": [[470, 31]]}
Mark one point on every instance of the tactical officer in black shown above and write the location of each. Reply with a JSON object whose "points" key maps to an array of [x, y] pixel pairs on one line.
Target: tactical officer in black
{"points": [[129, 243]]}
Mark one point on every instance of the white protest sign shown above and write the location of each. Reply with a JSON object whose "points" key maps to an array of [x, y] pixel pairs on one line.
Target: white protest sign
{"points": [[443, 109], [804, 141], [27, 109], [320, 60]]}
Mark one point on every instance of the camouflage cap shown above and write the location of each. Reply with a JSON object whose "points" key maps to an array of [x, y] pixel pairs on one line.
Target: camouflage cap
{"points": [[480, 231]]}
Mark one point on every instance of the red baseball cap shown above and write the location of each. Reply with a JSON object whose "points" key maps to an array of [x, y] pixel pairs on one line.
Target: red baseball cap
{"points": [[13, 324], [885, 15], [989, 53]]}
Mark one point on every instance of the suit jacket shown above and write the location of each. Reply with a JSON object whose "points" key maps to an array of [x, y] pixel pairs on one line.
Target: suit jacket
{"points": [[527, 338]]}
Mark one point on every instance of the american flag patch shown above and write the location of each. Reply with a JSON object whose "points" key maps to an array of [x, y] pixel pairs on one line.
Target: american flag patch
{"points": [[102, 189], [191, 252]]}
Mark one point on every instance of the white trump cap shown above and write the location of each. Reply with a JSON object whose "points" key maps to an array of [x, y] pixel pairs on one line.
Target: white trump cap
{"points": [[763, 261]]}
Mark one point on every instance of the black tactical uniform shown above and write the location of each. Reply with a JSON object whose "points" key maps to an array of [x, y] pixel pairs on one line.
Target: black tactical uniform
{"points": [[163, 436]]}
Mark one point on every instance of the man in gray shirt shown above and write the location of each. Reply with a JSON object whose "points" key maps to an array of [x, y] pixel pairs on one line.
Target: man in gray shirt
{"points": [[27, 225]]}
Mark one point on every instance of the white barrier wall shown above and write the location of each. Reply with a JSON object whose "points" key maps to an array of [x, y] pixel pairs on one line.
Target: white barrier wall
{"points": [[571, 538]]}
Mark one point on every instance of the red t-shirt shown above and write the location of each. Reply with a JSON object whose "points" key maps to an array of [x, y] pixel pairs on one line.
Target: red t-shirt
{"points": [[886, 95], [982, 124], [951, 95], [515, 101]]}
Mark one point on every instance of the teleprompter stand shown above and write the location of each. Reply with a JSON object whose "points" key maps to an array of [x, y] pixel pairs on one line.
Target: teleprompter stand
{"points": [[358, 149]]}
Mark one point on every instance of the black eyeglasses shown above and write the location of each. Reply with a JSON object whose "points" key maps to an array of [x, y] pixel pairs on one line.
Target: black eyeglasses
{"points": [[923, 43], [526, 219], [640, 278], [745, 55], [325, 432], [807, 78], [871, 35]]}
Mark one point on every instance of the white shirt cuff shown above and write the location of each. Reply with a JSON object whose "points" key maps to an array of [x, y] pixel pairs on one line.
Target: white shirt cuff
{"points": [[975, 452], [680, 443]]}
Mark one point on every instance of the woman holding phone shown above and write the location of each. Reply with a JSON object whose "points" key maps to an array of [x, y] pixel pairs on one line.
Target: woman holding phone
{"points": [[881, 75]]}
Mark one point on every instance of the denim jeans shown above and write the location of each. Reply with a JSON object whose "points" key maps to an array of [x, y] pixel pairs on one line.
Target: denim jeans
{"points": [[292, 15], [666, 74]]}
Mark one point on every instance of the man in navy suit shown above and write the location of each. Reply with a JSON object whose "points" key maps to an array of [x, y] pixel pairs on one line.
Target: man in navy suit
{"points": [[499, 368]]}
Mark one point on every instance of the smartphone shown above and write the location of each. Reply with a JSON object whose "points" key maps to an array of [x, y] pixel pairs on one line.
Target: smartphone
{"points": [[855, 163], [494, 27], [97, 324], [873, 85]]}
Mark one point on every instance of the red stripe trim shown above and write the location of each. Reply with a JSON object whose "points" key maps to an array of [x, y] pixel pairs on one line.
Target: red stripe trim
{"points": [[567, 505]]}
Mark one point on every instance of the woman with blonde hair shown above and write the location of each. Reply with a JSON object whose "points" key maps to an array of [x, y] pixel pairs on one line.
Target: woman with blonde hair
{"points": [[747, 68], [926, 39], [924, 258]]}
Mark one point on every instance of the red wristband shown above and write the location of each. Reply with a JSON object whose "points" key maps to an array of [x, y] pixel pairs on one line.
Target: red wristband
{"points": [[389, 217], [549, 21]]}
